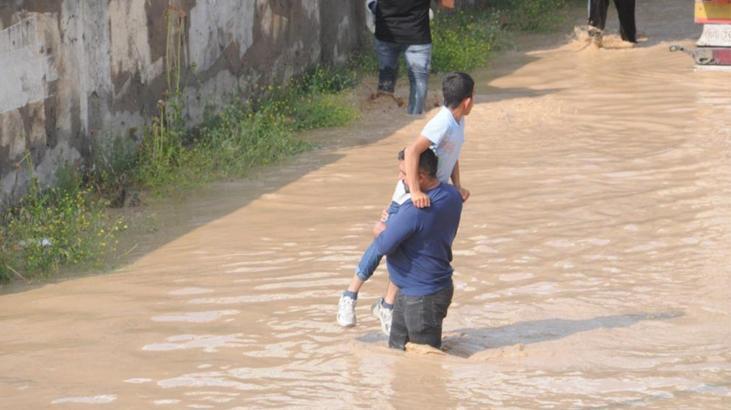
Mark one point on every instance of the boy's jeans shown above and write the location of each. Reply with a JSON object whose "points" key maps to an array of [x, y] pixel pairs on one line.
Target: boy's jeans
{"points": [[371, 258], [418, 61], [368, 262]]}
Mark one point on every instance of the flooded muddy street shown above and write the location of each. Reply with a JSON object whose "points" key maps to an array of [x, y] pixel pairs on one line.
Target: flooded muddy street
{"points": [[592, 264]]}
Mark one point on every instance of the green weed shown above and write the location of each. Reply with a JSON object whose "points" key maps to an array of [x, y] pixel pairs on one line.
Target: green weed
{"points": [[243, 135], [531, 15], [65, 225], [463, 40]]}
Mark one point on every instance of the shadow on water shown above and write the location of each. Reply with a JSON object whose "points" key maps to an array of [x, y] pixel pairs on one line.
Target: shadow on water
{"points": [[173, 218], [164, 220], [490, 94], [468, 342]]}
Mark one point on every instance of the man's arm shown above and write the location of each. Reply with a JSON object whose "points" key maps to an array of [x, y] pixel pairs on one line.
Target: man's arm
{"points": [[400, 227], [447, 4], [456, 182], [411, 158]]}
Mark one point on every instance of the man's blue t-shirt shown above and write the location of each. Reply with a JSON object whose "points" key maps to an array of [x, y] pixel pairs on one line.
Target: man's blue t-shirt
{"points": [[418, 242]]}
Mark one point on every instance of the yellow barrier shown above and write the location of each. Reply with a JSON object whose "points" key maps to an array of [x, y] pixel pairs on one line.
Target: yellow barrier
{"points": [[713, 11]]}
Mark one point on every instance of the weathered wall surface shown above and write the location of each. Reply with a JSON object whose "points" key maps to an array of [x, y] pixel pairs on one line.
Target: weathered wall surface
{"points": [[76, 71]]}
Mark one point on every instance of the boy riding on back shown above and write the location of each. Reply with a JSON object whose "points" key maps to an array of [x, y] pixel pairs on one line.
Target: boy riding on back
{"points": [[445, 135]]}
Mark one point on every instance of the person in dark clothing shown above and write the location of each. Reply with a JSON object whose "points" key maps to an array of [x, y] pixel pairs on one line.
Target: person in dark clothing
{"points": [[598, 19], [418, 242], [402, 27]]}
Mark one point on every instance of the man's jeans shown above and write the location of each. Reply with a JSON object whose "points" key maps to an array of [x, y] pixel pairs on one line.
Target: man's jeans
{"points": [[419, 319], [418, 61]]}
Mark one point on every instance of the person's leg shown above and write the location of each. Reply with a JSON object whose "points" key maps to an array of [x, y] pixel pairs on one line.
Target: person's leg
{"points": [[367, 265], [425, 315], [627, 25], [399, 335], [348, 300], [418, 60], [598, 13], [383, 308], [597, 20], [391, 293], [387, 55]]}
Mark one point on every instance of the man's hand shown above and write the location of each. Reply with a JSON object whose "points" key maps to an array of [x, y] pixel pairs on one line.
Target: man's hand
{"points": [[384, 215], [378, 228], [465, 193], [420, 199]]}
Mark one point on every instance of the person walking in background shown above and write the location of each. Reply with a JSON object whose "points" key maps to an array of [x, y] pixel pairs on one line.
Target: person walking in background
{"points": [[598, 19], [402, 27]]}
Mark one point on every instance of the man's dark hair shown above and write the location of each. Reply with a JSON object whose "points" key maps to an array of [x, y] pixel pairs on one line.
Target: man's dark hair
{"points": [[457, 86], [428, 161]]}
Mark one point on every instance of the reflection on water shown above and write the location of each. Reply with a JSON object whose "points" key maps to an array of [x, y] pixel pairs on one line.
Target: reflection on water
{"points": [[592, 264], [103, 399]]}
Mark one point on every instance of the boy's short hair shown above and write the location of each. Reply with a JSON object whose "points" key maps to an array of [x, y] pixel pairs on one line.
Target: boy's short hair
{"points": [[457, 86], [428, 161]]}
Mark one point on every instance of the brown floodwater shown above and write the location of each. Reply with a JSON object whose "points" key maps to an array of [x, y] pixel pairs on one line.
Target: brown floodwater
{"points": [[592, 264]]}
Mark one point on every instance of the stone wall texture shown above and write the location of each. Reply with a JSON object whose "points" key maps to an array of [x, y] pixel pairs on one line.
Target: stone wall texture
{"points": [[76, 71]]}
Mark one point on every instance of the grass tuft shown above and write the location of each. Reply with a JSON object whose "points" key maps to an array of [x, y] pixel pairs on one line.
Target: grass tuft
{"points": [[64, 225], [463, 40], [531, 15]]}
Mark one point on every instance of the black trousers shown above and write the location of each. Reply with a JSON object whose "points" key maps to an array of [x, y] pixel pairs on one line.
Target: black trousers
{"points": [[625, 9], [419, 319]]}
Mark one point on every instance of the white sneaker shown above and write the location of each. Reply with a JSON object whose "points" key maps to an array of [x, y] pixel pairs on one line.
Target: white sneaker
{"points": [[385, 316], [346, 311]]}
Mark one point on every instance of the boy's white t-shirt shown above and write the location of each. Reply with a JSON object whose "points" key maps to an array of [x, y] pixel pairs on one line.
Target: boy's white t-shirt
{"points": [[447, 137], [400, 195]]}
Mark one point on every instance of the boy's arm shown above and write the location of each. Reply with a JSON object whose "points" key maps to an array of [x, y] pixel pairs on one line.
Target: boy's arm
{"points": [[411, 159], [456, 182]]}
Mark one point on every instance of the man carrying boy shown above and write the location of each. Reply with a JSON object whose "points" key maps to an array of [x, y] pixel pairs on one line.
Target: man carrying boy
{"points": [[418, 243], [445, 134]]}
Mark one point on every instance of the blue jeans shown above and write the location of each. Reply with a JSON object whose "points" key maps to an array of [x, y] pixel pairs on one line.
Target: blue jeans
{"points": [[418, 61], [371, 258], [368, 262]]}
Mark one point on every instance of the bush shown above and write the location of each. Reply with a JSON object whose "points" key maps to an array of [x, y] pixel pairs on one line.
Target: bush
{"points": [[113, 160], [243, 135], [239, 139], [463, 40], [530, 15], [65, 225]]}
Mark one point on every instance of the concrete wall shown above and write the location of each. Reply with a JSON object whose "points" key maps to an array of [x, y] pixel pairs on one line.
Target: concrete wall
{"points": [[76, 71]]}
